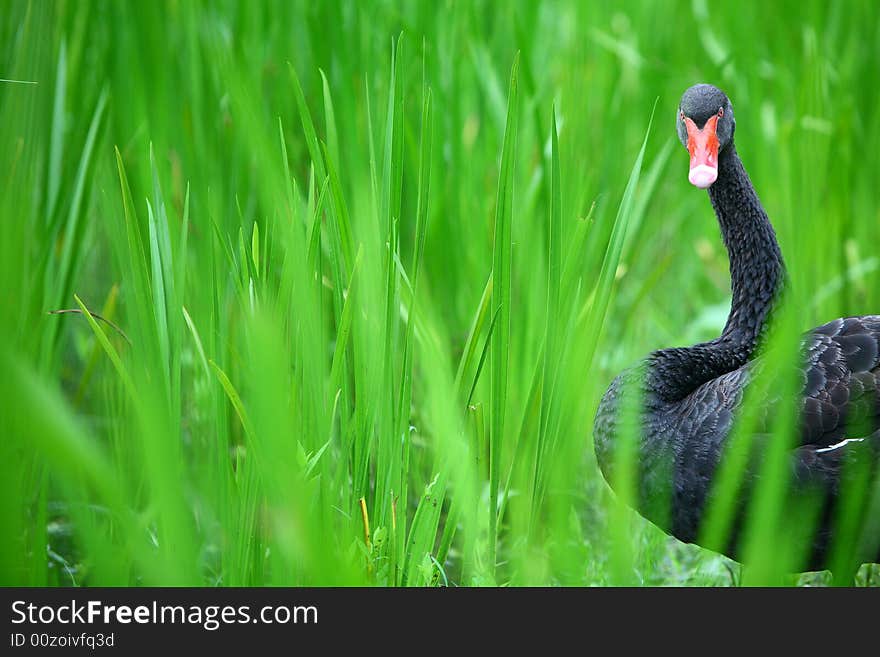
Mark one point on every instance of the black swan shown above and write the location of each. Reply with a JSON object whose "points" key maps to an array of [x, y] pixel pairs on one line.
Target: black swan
{"points": [[690, 396]]}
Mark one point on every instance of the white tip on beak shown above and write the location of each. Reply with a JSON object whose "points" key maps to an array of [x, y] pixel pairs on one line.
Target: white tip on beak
{"points": [[703, 175]]}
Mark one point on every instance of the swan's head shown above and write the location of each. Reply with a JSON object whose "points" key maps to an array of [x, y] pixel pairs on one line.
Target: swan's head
{"points": [[705, 127]]}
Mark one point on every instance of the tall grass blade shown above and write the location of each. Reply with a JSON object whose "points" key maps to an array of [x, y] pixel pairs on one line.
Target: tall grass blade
{"points": [[501, 299]]}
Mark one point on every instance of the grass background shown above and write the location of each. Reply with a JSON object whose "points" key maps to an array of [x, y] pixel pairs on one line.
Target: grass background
{"points": [[374, 265]]}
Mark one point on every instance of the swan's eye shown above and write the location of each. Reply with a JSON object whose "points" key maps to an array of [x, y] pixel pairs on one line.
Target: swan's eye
{"points": [[681, 114], [720, 112]]}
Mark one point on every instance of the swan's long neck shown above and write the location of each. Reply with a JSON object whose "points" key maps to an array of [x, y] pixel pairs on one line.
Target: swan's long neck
{"points": [[757, 275], [757, 272]]}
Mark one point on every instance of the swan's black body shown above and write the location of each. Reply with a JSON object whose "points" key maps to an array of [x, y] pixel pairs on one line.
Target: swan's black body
{"points": [[691, 395]]}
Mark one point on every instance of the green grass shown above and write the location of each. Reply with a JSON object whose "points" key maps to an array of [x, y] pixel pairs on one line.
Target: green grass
{"points": [[374, 264]]}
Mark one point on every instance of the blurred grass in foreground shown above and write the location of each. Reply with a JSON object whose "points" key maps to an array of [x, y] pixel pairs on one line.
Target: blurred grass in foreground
{"points": [[372, 276]]}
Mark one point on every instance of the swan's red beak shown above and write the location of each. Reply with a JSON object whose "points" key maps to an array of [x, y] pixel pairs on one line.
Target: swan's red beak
{"points": [[703, 147]]}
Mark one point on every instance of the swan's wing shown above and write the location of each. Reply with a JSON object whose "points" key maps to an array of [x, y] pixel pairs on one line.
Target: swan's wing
{"points": [[840, 393], [841, 379]]}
